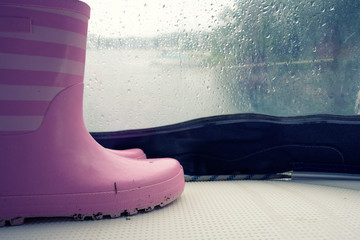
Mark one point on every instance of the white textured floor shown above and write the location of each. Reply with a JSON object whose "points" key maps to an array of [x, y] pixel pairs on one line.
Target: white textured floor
{"points": [[224, 210]]}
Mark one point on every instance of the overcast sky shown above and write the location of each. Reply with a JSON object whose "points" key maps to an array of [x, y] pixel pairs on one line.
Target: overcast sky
{"points": [[124, 18]]}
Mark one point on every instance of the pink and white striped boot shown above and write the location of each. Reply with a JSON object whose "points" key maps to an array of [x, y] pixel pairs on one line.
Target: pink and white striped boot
{"points": [[49, 163]]}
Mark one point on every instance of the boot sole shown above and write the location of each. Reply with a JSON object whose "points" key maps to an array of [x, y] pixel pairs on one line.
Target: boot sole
{"points": [[94, 206]]}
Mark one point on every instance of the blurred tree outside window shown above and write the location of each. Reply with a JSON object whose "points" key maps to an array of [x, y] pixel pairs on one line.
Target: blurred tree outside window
{"points": [[293, 57]]}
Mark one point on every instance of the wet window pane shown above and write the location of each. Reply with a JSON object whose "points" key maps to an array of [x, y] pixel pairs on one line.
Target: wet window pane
{"points": [[152, 63]]}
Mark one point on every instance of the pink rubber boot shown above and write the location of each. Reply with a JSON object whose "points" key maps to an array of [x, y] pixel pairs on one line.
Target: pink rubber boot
{"points": [[50, 165]]}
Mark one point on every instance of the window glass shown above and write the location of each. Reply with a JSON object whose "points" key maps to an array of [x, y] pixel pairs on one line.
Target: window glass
{"points": [[152, 63]]}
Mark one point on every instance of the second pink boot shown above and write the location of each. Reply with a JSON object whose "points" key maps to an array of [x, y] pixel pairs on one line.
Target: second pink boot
{"points": [[134, 153]]}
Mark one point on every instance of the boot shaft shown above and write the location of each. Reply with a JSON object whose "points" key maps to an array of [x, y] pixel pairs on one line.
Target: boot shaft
{"points": [[42, 52]]}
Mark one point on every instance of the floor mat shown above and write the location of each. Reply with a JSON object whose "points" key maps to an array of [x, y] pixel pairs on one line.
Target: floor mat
{"points": [[253, 209]]}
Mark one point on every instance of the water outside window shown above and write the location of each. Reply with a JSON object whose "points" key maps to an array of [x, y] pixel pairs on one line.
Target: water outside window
{"points": [[153, 63]]}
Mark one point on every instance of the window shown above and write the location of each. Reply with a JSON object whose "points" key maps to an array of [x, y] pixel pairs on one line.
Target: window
{"points": [[153, 63]]}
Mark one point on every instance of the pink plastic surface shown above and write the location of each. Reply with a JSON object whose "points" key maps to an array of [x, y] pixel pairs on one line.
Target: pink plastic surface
{"points": [[15, 25]]}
